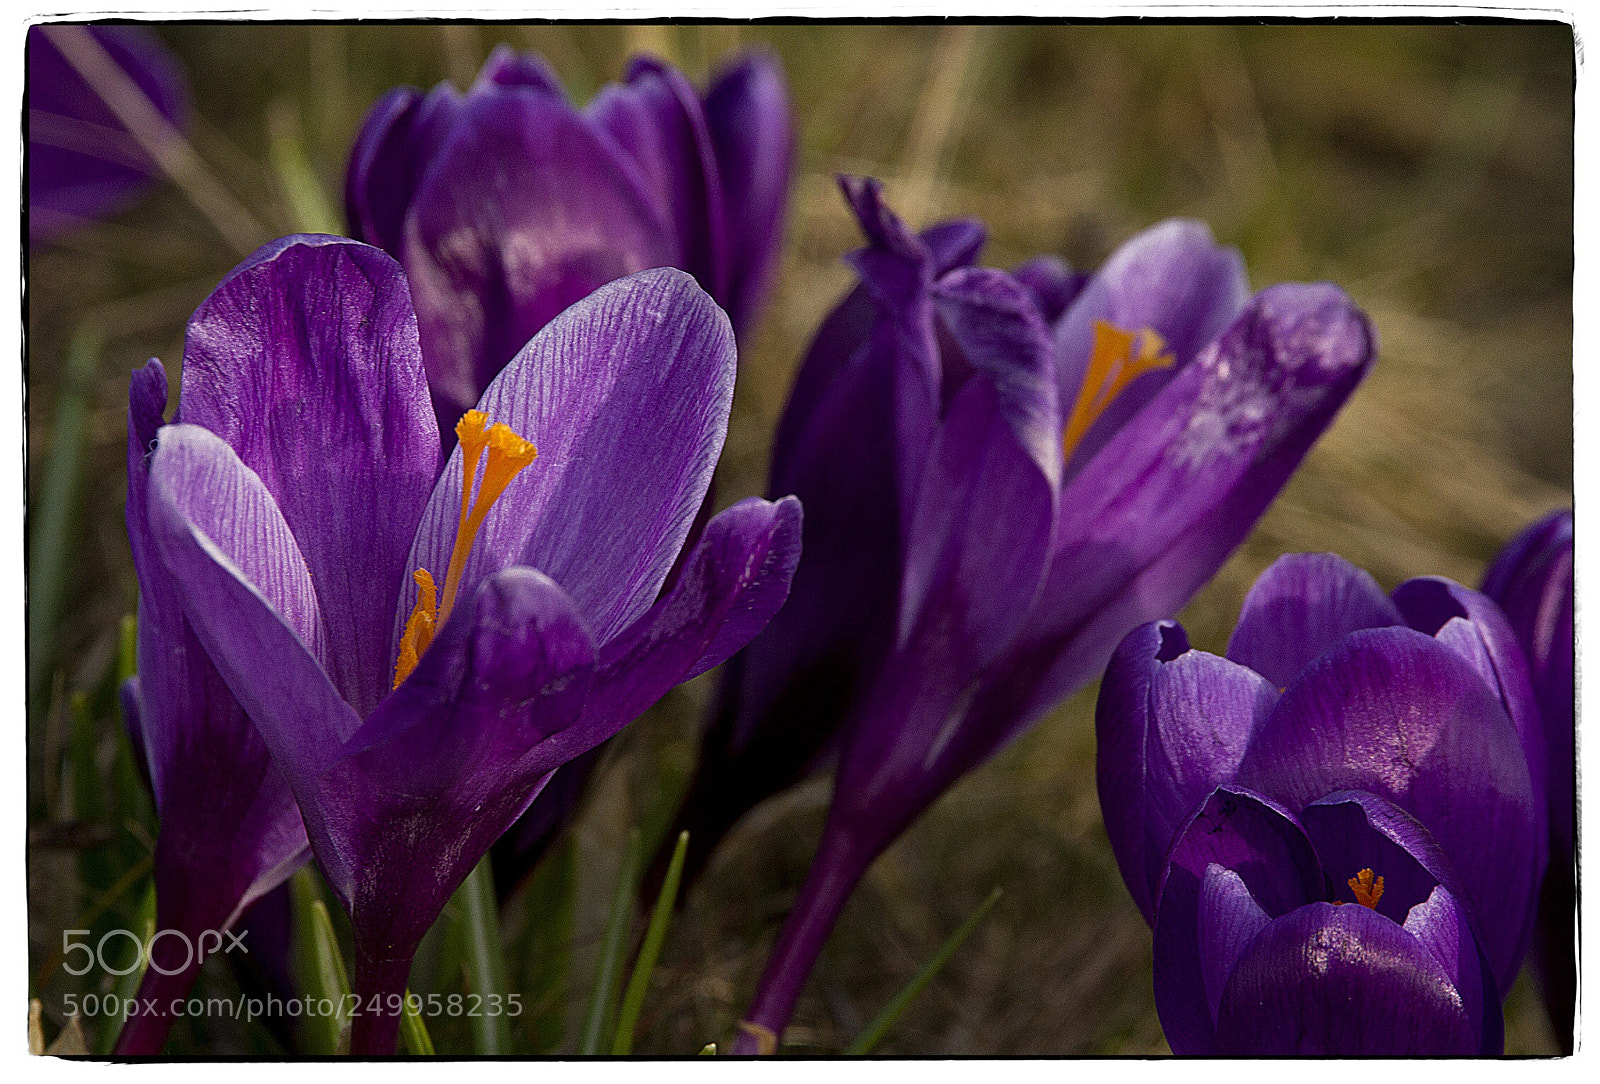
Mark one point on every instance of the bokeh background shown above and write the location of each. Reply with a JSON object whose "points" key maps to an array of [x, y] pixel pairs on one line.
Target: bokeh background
{"points": [[1425, 168]]}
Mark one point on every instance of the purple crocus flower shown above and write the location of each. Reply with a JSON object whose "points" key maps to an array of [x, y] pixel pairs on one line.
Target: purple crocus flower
{"points": [[1531, 579], [420, 650], [506, 204], [1414, 708], [998, 501], [82, 162]]}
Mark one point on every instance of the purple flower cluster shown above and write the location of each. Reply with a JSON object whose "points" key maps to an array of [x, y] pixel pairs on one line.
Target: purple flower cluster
{"points": [[1337, 830]]}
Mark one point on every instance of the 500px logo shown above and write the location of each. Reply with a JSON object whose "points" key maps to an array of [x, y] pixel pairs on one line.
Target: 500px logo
{"points": [[208, 943]]}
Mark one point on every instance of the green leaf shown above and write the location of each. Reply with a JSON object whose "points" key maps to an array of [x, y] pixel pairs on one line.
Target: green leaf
{"points": [[308, 201], [605, 982], [128, 985], [709, 1050], [869, 1038], [413, 1032], [655, 934], [320, 965], [485, 959]]}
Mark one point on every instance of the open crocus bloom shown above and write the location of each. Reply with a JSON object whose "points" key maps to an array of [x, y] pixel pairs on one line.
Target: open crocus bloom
{"points": [[1277, 936], [421, 650], [506, 204], [1419, 699], [82, 162], [1031, 492], [1531, 579]]}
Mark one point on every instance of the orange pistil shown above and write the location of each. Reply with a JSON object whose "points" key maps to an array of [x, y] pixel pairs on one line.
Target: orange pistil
{"points": [[1119, 358], [1367, 889], [507, 454]]}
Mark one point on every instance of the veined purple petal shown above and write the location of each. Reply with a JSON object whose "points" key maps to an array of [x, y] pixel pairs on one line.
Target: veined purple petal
{"points": [[733, 582], [1354, 830], [1342, 981], [656, 119], [1262, 844], [1301, 606], [246, 591], [1227, 920], [305, 359], [1442, 925], [392, 152], [1171, 724], [525, 210], [1394, 712], [1173, 279], [626, 394], [1153, 517], [1474, 626], [748, 117], [452, 758], [82, 162]]}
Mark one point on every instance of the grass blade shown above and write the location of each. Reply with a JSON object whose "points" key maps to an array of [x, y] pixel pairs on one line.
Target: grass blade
{"points": [[486, 965], [616, 939], [128, 985], [874, 1032], [655, 934], [413, 1032], [321, 966]]}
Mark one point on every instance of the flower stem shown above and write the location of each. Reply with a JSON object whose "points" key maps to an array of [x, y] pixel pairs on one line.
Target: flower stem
{"points": [[145, 1032], [835, 872], [380, 989]]}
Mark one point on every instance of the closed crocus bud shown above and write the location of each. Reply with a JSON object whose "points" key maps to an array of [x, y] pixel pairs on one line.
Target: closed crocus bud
{"points": [[83, 162], [1419, 700], [1531, 579], [506, 203]]}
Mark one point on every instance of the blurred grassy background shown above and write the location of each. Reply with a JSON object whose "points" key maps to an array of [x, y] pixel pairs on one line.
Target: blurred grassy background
{"points": [[1426, 168]]}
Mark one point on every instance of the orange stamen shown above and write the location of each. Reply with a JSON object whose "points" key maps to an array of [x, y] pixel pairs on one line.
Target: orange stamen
{"points": [[1113, 365], [507, 454], [1368, 890]]}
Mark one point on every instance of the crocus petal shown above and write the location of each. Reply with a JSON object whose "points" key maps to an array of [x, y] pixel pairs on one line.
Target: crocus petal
{"points": [[1052, 282], [1354, 830], [626, 394], [1172, 279], [1153, 517], [1474, 626], [1301, 606], [1228, 919], [507, 67], [1259, 841], [247, 593], [656, 119], [305, 359], [1442, 925], [734, 581], [1171, 724], [747, 115], [1396, 713], [391, 155], [525, 210], [82, 162], [452, 758], [1342, 981], [230, 828]]}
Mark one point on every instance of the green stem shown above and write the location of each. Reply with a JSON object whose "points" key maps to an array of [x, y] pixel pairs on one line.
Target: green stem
{"points": [[486, 966], [605, 983], [654, 936]]}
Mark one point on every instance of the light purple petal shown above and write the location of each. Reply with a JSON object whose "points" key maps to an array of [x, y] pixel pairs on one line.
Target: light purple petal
{"points": [[1173, 279], [247, 593], [392, 152], [1442, 925], [1301, 606], [626, 395], [1228, 919], [1394, 712], [747, 114], [1171, 724], [1342, 981], [525, 210], [305, 359], [1260, 842]]}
